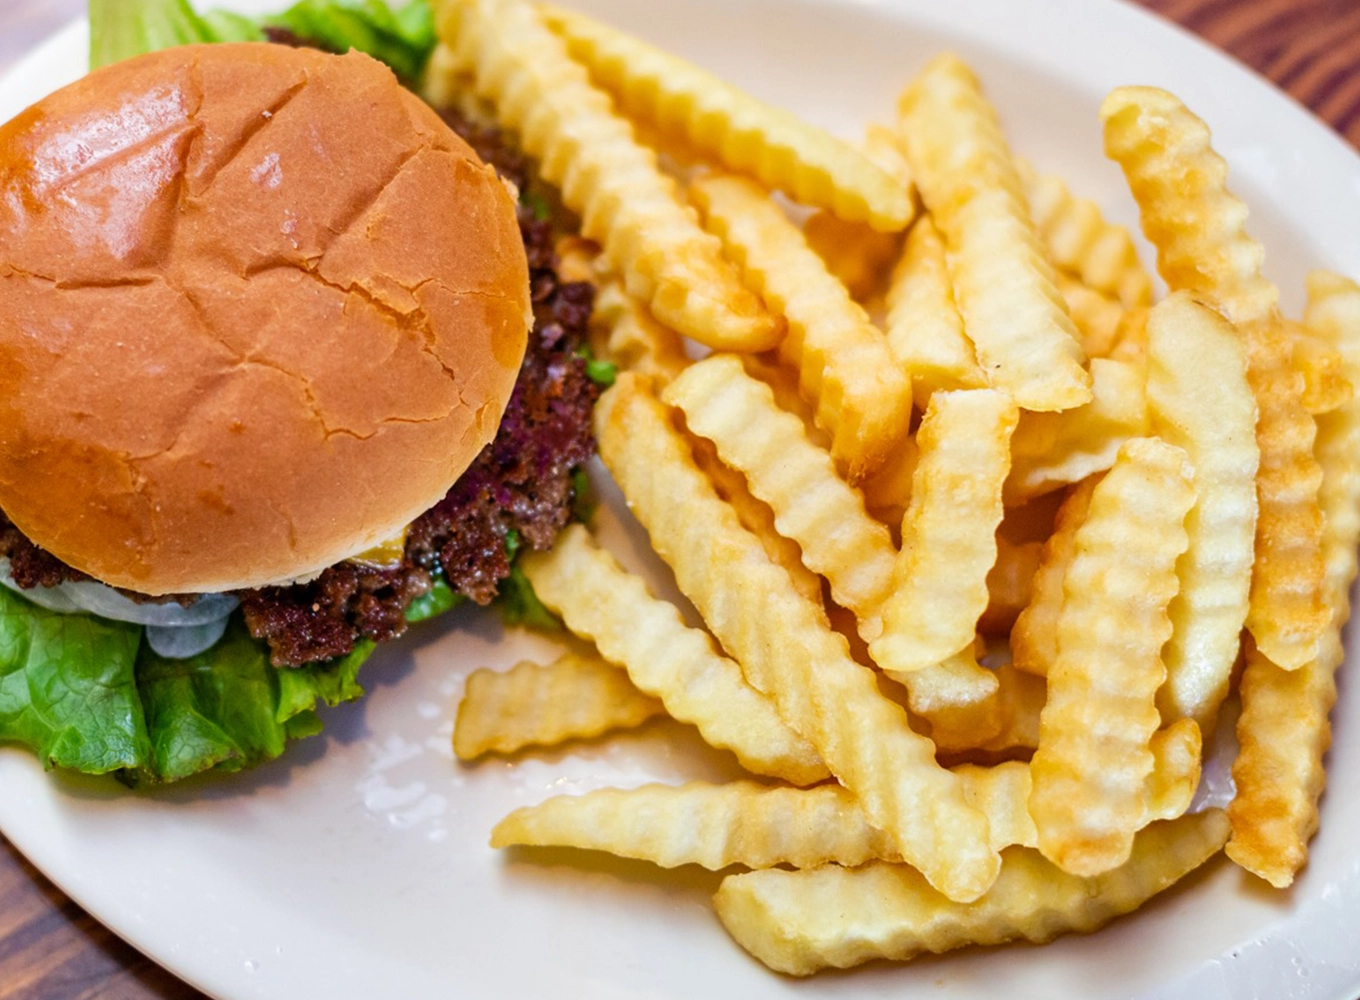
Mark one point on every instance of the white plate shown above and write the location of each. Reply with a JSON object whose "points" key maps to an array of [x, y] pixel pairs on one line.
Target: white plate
{"points": [[357, 866]]}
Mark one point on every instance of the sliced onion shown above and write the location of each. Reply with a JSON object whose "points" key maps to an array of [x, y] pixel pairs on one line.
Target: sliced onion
{"points": [[182, 642], [108, 603], [51, 598]]}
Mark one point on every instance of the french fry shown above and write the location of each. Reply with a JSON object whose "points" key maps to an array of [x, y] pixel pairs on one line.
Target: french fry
{"points": [[1200, 401], [785, 651], [755, 516], [957, 697], [1325, 386], [743, 133], [1093, 759], [854, 252], [783, 382], [1034, 639], [1010, 584], [811, 504], [601, 601], [574, 697], [1079, 240], [949, 531], [1283, 730], [888, 491], [626, 204], [1021, 697], [798, 922], [863, 397], [1050, 450], [1177, 756], [1012, 311], [1095, 316], [623, 331], [760, 826], [738, 823], [924, 328], [1197, 226]]}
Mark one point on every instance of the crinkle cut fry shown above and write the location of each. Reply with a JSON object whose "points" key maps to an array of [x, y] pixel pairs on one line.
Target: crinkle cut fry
{"points": [[1200, 400], [1012, 311], [1198, 228], [759, 826], [1034, 639], [755, 516], [1079, 240], [1050, 450], [1325, 386], [626, 204], [799, 922], [601, 601], [857, 254], [1094, 754], [924, 328], [743, 133], [949, 530], [574, 697], [1283, 730], [623, 332], [811, 504], [775, 633], [863, 396]]}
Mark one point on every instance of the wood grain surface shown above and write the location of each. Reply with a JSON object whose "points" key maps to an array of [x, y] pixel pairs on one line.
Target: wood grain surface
{"points": [[51, 950]]}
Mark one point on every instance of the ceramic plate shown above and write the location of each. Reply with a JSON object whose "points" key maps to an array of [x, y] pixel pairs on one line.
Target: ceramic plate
{"points": [[357, 866]]}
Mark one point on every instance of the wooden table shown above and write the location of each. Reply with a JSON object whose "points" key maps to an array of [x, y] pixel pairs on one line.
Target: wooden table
{"points": [[51, 950]]}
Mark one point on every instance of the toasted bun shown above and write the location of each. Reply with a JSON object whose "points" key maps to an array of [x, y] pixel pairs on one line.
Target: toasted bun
{"points": [[259, 308]]}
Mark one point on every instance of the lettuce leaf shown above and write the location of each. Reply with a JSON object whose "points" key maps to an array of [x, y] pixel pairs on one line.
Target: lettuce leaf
{"points": [[403, 38], [121, 29], [229, 709], [68, 689]]}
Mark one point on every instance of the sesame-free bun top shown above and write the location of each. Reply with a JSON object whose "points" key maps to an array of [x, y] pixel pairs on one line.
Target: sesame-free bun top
{"points": [[259, 309]]}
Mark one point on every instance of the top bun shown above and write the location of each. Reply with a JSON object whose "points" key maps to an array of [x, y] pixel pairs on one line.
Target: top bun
{"points": [[261, 308]]}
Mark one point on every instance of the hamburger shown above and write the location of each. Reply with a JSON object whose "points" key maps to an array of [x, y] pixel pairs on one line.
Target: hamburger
{"points": [[273, 335]]}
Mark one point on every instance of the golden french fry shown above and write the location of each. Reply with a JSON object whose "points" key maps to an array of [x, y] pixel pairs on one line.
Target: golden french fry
{"points": [[1325, 386], [783, 382], [863, 396], [574, 697], [1012, 311], [1200, 400], [797, 479], [924, 328], [1283, 730], [600, 600], [626, 204], [949, 531], [1050, 450], [739, 823], [1079, 240], [1093, 759], [623, 331], [743, 133], [1022, 698], [1197, 226], [755, 516], [798, 922], [888, 491], [1177, 755], [854, 252], [1095, 316], [1130, 340], [959, 699], [1034, 639], [784, 649], [1010, 584]]}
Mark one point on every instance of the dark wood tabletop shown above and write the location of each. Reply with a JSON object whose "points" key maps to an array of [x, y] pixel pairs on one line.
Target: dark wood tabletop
{"points": [[51, 950]]}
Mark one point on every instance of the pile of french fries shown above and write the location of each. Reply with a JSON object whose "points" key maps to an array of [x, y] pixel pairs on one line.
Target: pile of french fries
{"points": [[972, 656]]}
